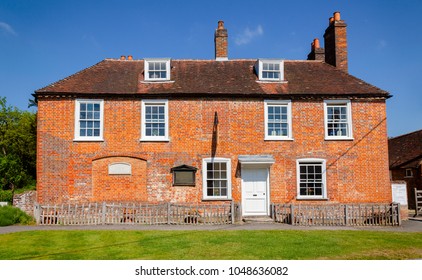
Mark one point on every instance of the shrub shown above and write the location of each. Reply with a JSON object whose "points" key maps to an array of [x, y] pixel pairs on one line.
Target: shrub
{"points": [[10, 215], [6, 195]]}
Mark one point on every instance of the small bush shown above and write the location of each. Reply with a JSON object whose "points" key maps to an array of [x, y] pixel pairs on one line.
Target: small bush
{"points": [[6, 195], [10, 215]]}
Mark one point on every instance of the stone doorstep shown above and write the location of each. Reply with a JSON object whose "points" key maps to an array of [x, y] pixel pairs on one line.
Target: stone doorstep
{"points": [[257, 219]]}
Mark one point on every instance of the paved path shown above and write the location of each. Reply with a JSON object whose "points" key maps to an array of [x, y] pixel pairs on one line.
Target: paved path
{"points": [[407, 226]]}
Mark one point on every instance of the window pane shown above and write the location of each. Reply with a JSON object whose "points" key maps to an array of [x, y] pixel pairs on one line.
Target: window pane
{"points": [[277, 120], [217, 181], [310, 176]]}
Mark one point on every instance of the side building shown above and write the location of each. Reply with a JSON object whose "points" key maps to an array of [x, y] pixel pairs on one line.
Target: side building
{"points": [[405, 156]]}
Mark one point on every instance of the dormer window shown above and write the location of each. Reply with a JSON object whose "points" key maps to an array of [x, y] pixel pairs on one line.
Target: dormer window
{"points": [[157, 69], [270, 69]]}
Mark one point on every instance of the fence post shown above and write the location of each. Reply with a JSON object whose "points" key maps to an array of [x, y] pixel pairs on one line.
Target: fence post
{"points": [[272, 210], [103, 214], [37, 212], [292, 214], [168, 212], [232, 211], [346, 215], [398, 213]]}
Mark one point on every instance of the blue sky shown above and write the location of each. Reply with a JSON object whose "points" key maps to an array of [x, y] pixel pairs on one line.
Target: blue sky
{"points": [[44, 41]]}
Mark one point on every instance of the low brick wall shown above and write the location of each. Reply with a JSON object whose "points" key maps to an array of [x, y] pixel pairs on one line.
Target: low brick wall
{"points": [[25, 201]]}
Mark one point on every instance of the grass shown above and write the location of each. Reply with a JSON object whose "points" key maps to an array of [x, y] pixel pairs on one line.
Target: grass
{"points": [[210, 245], [10, 215]]}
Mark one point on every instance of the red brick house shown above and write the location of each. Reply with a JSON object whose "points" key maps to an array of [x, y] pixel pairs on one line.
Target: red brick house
{"points": [[405, 156], [253, 131]]}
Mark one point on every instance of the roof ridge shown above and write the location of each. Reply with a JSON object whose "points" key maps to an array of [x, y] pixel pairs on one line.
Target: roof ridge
{"points": [[213, 60]]}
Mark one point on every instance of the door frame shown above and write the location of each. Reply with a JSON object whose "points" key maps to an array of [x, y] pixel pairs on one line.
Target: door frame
{"points": [[251, 166]]}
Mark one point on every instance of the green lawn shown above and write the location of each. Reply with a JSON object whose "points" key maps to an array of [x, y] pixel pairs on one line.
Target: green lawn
{"points": [[210, 245]]}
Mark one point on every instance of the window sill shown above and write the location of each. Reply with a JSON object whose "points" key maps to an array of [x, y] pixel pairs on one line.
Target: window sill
{"points": [[216, 199], [313, 198], [156, 82], [154, 140], [88, 140], [339, 138], [278, 139], [272, 81]]}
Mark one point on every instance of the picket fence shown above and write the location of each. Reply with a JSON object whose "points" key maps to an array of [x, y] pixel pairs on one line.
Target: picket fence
{"points": [[102, 213], [418, 202], [337, 214]]}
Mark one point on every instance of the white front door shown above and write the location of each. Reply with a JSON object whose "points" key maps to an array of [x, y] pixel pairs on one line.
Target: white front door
{"points": [[255, 191]]}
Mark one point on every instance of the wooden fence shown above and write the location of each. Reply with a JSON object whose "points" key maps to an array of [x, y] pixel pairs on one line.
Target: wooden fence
{"points": [[136, 213], [337, 214], [418, 202]]}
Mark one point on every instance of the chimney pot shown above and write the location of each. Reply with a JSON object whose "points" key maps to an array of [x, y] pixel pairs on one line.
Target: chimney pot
{"points": [[129, 57], [316, 44], [220, 24], [336, 16], [122, 57]]}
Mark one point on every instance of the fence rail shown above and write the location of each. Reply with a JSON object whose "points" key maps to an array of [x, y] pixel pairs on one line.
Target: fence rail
{"points": [[135, 213], [337, 214]]}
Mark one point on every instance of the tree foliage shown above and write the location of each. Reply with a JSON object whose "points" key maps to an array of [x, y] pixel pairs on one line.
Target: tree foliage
{"points": [[17, 146]]}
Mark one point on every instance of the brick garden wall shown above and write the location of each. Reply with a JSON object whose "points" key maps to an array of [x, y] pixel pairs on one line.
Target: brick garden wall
{"points": [[69, 171]]}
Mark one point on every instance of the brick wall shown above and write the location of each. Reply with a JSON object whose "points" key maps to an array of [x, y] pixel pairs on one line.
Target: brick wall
{"points": [[25, 201], [357, 170]]}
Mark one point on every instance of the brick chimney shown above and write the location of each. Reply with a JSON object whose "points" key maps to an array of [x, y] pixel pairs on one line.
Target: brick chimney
{"points": [[220, 39], [317, 53], [335, 43]]}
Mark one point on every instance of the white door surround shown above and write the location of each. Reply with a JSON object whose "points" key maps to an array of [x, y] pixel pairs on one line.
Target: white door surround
{"points": [[255, 174]]}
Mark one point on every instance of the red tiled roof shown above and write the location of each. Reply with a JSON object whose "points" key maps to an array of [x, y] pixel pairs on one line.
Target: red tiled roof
{"points": [[405, 150], [193, 77]]}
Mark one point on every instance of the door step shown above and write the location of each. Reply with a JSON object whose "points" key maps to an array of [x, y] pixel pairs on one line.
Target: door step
{"points": [[257, 219]]}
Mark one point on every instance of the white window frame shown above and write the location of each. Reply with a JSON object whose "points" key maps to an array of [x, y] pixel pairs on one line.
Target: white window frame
{"points": [[147, 62], [324, 178], [283, 103], [260, 68], [204, 178], [77, 136], [145, 103], [349, 130]]}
